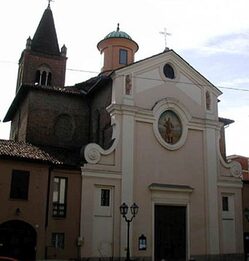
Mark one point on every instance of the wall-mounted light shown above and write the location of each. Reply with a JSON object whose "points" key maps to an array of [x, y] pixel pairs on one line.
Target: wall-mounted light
{"points": [[142, 242], [18, 211]]}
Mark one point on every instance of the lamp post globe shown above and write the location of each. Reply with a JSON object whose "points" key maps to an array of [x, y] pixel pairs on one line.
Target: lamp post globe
{"points": [[123, 209], [134, 209]]}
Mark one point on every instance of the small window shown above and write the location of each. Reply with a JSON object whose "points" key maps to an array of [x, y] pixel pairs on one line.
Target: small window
{"points": [[59, 196], [43, 78], [123, 56], [37, 77], [168, 71], [225, 206], [105, 197], [19, 184], [58, 240], [49, 79]]}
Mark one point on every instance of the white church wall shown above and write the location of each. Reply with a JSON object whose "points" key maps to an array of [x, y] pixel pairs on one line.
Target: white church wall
{"points": [[142, 157]]}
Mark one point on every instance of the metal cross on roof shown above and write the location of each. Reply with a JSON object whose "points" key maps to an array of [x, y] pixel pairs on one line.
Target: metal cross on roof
{"points": [[165, 34], [49, 1]]}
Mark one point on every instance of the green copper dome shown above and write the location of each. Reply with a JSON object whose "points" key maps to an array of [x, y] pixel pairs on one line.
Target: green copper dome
{"points": [[118, 34]]}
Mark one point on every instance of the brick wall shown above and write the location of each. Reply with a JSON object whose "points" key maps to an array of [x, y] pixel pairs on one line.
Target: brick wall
{"points": [[32, 61], [57, 119]]}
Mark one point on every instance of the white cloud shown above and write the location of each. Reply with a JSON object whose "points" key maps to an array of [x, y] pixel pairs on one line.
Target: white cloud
{"points": [[227, 44], [194, 23]]}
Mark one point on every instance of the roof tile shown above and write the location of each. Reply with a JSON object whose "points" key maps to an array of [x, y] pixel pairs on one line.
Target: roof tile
{"points": [[22, 150]]}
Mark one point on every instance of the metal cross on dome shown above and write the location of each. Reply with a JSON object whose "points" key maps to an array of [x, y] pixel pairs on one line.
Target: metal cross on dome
{"points": [[165, 34]]}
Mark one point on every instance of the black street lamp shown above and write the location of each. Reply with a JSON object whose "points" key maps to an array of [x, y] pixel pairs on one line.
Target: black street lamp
{"points": [[124, 211]]}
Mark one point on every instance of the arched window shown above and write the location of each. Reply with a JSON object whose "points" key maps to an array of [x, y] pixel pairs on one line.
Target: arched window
{"points": [[37, 77], [49, 79], [43, 76]]}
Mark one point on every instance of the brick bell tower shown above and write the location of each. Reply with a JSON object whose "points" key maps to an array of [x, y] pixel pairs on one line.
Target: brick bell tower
{"points": [[42, 62]]}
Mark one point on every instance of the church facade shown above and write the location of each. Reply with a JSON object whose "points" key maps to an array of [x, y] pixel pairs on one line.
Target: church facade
{"points": [[166, 158], [145, 132]]}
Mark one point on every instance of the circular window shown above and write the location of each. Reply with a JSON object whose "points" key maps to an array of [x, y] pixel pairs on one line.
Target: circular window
{"points": [[170, 127], [168, 71]]}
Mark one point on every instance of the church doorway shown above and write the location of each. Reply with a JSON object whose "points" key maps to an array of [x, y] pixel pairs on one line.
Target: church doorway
{"points": [[17, 240], [170, 233]]}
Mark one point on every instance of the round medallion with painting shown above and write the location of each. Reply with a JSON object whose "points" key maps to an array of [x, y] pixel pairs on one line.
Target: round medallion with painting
{"points": [[170, 127]]}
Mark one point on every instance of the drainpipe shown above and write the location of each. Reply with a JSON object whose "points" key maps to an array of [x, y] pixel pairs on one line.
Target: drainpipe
{"points": [[47, 208]]}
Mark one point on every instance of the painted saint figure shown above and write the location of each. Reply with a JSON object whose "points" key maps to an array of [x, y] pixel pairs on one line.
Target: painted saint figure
{"points": [[168, 130]]}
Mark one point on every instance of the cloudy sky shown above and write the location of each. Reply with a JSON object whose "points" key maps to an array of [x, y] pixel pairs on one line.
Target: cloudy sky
{"points": [[211, 35]]}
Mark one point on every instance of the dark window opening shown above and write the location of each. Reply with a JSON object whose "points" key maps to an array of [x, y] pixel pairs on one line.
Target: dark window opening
{"points": [[43, 78], [37, 77], [59, 196], [168, 71], [49, 79], [225, 206], [123, 56], [19, 184], [58, 240], [105, 197]]}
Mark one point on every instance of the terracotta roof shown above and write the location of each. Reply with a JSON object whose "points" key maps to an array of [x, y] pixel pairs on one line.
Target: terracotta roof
{"points": [[24, 151], [45, 38], [69, 157]]}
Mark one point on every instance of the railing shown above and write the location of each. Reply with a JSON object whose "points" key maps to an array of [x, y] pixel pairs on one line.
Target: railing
{"points": [[59, 210]]}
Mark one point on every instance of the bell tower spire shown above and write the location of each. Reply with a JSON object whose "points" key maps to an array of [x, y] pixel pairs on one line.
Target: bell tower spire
{"points": [[42, 62]]}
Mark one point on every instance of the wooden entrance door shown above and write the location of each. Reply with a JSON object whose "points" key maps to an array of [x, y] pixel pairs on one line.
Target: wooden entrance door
{"points": [[170, 233]]}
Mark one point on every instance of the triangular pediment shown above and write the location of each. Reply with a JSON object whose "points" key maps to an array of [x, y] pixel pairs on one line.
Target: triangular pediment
{"points": [[149, 69], [144, 83]]}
